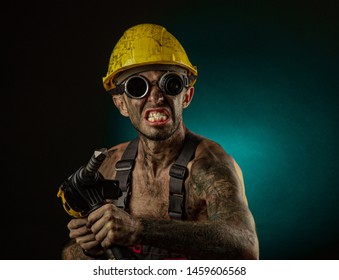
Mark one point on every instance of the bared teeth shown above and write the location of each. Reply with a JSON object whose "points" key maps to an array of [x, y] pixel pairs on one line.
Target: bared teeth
{"points": [[156, 116]]}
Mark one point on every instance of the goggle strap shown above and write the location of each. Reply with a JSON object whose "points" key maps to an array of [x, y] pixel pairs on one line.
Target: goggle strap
{"points": [[186, 81], [116, 90], [155, 67]]}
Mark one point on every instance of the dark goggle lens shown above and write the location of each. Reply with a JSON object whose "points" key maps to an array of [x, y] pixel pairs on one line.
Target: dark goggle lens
{"points": [[136, 87], [172, 84]]}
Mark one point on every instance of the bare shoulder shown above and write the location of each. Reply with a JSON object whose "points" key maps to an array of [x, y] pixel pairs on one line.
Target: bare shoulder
{"points": [[212, 156], [212, 151], [217, 178], [107, 168]]}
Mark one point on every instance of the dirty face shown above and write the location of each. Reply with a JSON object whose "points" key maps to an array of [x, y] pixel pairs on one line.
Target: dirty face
{"points": [[157, 116]]}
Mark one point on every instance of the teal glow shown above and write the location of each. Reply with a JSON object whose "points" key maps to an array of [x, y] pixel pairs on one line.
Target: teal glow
{"points": [[268, 93]]}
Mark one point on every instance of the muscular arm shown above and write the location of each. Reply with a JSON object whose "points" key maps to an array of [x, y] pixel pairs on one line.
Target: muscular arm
{"points": [[228, 232]]}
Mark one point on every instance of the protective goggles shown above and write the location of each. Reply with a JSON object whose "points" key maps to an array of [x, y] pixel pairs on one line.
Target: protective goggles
{"points": [[137, 87]]}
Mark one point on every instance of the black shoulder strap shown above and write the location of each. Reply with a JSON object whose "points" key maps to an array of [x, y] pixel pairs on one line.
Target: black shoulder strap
{"points": [[178, 173], [124, 168]]}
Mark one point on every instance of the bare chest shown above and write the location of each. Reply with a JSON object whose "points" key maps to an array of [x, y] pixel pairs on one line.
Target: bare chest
{"points": [[149, 194]]}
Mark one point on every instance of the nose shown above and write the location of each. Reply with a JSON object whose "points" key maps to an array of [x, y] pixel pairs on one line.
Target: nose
{"points": [[155, 96]]}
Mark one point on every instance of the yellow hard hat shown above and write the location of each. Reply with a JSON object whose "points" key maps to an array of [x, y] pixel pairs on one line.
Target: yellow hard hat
{"points": [[146, 44]]}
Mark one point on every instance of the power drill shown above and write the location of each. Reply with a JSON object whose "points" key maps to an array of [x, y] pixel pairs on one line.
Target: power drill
{"points": [[86, 190]]}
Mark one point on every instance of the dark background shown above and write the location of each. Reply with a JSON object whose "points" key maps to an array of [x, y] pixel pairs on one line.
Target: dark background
{"points": [[267, 92]]}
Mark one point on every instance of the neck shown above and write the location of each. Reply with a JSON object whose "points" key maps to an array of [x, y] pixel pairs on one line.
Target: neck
{"points": [[161, 154]]}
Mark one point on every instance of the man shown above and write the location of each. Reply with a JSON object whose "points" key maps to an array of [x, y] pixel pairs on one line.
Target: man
{"points": [[151, 81]]}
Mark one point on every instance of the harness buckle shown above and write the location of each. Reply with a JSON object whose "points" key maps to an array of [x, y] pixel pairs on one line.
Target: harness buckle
{"points": [[178, 171], [124, 165]]}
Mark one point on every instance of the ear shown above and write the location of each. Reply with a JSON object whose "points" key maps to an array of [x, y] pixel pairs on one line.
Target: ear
{"points": [[119, 102], [188, 96]]}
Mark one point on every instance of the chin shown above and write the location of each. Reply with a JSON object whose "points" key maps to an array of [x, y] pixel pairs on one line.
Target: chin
{"points": [[158, 135]]}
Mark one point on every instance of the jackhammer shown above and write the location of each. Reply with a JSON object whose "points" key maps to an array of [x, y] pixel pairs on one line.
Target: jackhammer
{"points": [[86, 190]]}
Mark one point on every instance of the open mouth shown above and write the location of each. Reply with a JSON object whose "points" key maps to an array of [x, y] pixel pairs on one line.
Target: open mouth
{"points": [[157, 116]]}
